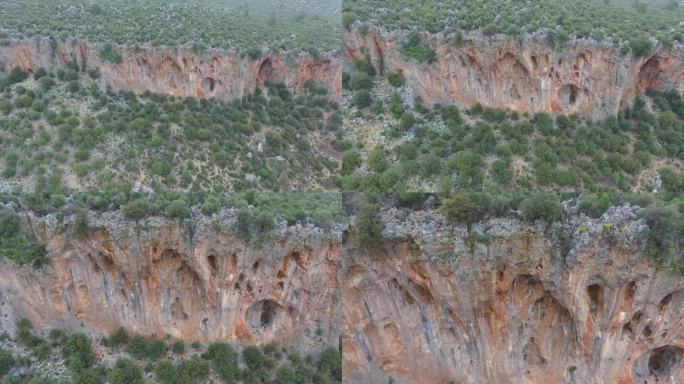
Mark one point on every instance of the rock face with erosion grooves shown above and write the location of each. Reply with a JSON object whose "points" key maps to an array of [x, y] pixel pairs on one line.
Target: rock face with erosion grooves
{"points": [[580, 77], [207, 286], [515, 310], [178, 72]]}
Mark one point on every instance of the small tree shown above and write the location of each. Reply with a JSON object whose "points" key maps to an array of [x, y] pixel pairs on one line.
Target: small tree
{"points": [[125, 372], [178, 347], [224, 360], [542, 206], [136, 209], [178, 209], [465, 208], [640, 46], [81, 221], [369, 227], [6, 362], [79, 351]]}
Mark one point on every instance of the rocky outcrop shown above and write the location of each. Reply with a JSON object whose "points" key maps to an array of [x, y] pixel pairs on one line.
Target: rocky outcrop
{"points": [[580, 77], [193, 280], [177, 72], [508, 305]]}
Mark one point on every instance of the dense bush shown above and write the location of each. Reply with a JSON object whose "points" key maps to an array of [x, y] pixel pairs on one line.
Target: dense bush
{"points": [[369, 227], [17, 75], [415, 47], [125, 372], [18, 245], [144, 348], [6, 362], [78, 351], [665, 237], [109, 54], [465, 207], [542, 206], [224, 361]]}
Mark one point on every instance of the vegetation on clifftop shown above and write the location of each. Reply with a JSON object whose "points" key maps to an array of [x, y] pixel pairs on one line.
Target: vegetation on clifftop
{"points": [[310, 25], [626, 21], [389, 146], [61, 132]]}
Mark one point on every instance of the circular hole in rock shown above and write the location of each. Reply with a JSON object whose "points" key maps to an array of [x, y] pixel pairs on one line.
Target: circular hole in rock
{"points": [[663, 360], [208, 84], [262, 314]]}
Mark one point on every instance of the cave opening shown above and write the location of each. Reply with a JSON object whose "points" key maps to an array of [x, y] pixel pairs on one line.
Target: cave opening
{"points": [[663, 359], [232, 263], [208, 84], [268, 311], [649, 74], [665, 302], [213, 264], [568, 95], [595, 293], [265, 71]]}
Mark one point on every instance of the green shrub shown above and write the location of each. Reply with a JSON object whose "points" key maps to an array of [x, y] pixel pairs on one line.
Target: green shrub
{"points": [[395, 79], [193, 370], [362, 99], [7, 361], [665, 234], [211, 205], [672, 179], [224, 360], [178, 347], [17, 75], [178, 209], [465, 208], [542, 206], [166, 372], [350, 160], [330, 364], [369, 227], [414, 47], [640, 46], [125, 372], [81, 221], [136, 209], [118, 338], [78, 350], [360, 80], [110, 54], [594, 205], [18, 245]]}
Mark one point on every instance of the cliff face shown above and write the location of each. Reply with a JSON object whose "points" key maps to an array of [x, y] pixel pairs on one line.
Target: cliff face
{"points": [[210, 286], [177, 72], [583, 78], [515, 310]]}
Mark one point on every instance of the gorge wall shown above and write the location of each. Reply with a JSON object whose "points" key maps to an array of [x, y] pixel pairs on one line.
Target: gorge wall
{"points": [[165, 279], [177, 72], [432, 307], [530, 76]]}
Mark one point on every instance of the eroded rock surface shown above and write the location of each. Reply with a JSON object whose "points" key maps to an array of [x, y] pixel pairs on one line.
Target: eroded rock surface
{"points": [[163, 278], [178, 72], [514, 307], [525, 76]]}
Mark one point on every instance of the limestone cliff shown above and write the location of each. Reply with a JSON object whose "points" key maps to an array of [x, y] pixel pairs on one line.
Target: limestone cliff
{"points": [[525, 75], [177, 71], [511, 306], [192, 280]]}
